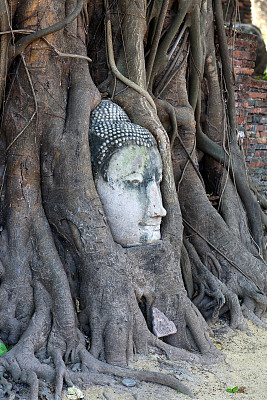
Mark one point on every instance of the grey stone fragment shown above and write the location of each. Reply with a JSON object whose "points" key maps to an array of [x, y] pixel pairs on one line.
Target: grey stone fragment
{"points": [[128, 382], [162, 326]]}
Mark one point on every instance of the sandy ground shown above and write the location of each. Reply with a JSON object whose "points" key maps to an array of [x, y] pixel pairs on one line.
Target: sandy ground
{"points": [[245, 366]]}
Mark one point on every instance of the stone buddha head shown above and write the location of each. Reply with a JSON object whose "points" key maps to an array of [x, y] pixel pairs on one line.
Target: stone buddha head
{"points": [[127, 170]]}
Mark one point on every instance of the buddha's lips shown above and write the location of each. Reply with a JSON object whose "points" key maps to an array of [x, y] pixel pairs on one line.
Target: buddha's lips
{"points": [[148, 223]]}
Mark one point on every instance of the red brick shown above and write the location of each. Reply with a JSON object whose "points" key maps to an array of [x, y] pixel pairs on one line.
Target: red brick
{"points": [[244, 63], [262, 140], [249, 38], [259, 95], [260, 84], [258, 110], [245, 71], [243, 43], [241, 120], [244, 79], [243, 88], [242, 113], [241, 96], [257, 153], [260, 153], [244, 55]]}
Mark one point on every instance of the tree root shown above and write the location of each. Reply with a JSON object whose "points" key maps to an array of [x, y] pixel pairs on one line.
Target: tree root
{"points": [[212, 293], [115, 70], [25, 367], [15, 311], [253, 317], [20, 361], [234, 287], [22, 43], [91, 363]]}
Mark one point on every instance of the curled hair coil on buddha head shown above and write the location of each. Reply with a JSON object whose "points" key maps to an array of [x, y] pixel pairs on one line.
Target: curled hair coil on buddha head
{"points": [[110, 130]]}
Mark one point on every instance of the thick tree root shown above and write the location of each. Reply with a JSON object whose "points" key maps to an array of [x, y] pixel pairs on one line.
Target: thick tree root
{"points": [[176, 354], [91, 363], [22, 364], [21, 361], [253, 317], [15, 310], [212, 294]]}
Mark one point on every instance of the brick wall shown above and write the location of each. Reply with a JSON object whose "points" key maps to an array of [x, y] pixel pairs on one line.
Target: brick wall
{"points": [[251, 107], [244, 13]]}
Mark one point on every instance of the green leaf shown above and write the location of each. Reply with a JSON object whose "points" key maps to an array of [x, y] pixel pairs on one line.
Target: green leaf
{"points": [[3, 349], [232, 390]]}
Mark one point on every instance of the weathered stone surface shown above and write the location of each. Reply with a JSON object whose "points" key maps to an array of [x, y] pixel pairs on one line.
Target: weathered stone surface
{"points": [[162, 326]]}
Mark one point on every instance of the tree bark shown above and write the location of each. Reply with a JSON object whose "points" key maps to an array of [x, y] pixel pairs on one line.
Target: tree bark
{"points": [[62, 276]]}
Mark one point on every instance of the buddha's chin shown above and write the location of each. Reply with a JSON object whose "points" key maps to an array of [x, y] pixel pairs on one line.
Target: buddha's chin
{"points": [[147, 234], [150, 234]]}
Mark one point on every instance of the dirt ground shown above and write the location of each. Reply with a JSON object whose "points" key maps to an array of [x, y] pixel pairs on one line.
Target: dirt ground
{"points": [[245, 367]]}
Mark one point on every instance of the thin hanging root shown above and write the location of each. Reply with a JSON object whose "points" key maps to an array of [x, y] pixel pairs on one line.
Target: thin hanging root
{"points": [[249, 278], [171, 70], [161, 56], [115, 70], [155, 377], [196, 70], [156, 39], [22, 43], [250, 203], [68, 55], [170, 109]]}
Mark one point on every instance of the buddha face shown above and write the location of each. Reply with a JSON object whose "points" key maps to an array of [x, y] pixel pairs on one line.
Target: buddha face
{"points": [[131, 195]]}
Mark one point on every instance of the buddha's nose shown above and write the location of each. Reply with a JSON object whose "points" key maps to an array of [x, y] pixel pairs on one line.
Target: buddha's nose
{"points": [[155, 206]]}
